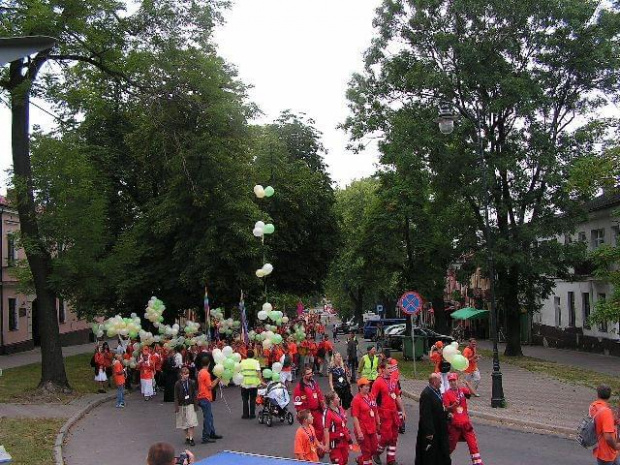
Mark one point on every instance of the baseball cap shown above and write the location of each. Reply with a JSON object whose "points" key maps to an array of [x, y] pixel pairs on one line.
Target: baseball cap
{"points": [[453, 377], [362, 381]]}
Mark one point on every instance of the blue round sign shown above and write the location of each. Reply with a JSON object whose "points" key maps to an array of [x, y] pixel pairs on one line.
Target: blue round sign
{"points": [[411, 303]]}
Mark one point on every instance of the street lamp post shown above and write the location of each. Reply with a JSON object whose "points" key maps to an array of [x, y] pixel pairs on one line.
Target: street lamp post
{"points": [[446, 121]]}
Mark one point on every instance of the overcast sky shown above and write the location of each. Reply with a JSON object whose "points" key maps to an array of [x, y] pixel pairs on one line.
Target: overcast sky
{"points": [[297, 55]]}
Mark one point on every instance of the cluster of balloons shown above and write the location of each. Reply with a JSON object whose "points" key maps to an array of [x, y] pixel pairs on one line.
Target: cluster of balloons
{"points": [[265, 270], [260, 229], [273, 374], [299, 334], [227, 365], [453, 355], [168, 330], [155, 311], [261, 191], [123, 326], [274, 315], [191, 327]]}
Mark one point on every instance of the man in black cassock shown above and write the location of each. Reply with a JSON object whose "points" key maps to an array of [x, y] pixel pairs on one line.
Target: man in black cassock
{"points": [[432, 444]]}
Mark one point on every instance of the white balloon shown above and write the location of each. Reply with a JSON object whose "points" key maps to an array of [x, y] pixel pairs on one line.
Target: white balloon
{"points": [[227, 351], [237, 357], [237, 379], [276, 367], [258, 188], [285, 319], [259, 225], [219, 358], [262, 315], [257, 232], [267, 307], [455, 344], [260, 273], [267, 268]]}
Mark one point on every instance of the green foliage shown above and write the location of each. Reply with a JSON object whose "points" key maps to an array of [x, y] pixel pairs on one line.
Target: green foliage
{"points": [[606, 259], [517, 74]]}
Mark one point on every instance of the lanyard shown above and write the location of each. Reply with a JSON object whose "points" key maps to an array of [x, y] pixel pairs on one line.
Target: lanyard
{"points": [[310, 436], [437, 394], [367, 403], [186, 387]]}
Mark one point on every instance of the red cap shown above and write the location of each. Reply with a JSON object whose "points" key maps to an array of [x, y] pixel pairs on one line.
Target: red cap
{"points": [[439, 344], [453, 377]]}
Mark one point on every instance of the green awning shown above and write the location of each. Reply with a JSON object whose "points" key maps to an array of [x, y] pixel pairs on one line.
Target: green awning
{"points": [[469, 313]]}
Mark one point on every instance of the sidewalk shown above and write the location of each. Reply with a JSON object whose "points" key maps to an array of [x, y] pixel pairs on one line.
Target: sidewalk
{"points": [[533, 401], [34, 356], [608, 364]]}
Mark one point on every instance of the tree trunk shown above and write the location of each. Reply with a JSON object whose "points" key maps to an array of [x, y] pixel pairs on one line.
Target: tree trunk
{"points": [[513, 315], [358, 302], [441, 322], [53, 375]]}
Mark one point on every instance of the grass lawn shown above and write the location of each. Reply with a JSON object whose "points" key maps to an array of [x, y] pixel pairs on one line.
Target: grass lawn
{"points": [[423, 367], [566, 373], [19, 384], [29, 441]]}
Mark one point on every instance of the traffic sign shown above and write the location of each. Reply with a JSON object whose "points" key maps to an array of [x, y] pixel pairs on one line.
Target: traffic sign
{"points": [[379, 308], [411, 302]]}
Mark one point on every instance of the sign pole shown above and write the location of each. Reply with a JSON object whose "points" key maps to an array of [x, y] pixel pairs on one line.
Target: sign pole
{"points": [[415, 369]]}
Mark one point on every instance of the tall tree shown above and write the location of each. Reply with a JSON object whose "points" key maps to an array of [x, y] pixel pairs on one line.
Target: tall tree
{"points": [[96, 34], [522, 77]]}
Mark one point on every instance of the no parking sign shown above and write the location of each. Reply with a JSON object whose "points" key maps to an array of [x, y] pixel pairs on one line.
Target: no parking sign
{"points": [[411, 303]]}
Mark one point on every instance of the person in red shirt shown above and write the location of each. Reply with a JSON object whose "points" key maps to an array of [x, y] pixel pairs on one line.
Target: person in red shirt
{"points": [[472, 374], [119, 379], [386, 392], [99, 362], [308, 396], [366, 421], [337, 435], [146, 366], [204, 397], [460, 427], [606, 450]]}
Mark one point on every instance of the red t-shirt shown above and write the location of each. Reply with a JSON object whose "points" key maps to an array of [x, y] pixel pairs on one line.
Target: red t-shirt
{"points": [[470, 354], [385, 392], [336, 424], [146, 367], [456, 403], [204, 385], [308, 397], [366, 412]]}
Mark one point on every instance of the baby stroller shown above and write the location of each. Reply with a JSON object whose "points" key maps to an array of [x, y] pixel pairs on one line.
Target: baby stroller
{"points": [[274, 400]]}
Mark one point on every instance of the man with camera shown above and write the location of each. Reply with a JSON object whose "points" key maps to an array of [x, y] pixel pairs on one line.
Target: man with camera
{"points": [[162, 453]]}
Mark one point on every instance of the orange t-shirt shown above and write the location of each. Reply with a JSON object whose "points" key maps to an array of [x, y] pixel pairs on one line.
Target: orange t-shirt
{"points": [[436, 359], [604, 424], [469, 354], [119, 374], [292, 348], [306, 444], [204, 385]]}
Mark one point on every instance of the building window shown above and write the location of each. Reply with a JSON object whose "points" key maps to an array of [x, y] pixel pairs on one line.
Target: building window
{"points": [[585, 308], [13, 317], [558, 311], [571, 309], [62, 311], [603, 325], [597, 238], [581, 236], [11, 249], [615, 232]]}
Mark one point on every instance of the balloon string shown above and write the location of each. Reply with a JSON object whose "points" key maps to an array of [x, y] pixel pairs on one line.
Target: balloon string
{"points": [[224, 397]]}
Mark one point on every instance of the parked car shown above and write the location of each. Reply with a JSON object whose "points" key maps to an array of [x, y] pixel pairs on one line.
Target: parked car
{"points": [[370, 327], [395, 339]]}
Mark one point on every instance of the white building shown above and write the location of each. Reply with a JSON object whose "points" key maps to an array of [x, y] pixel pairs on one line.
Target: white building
{"points": [[562, 321]]}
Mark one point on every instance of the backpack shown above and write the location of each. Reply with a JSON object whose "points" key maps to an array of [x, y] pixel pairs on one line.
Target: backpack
{"points": [[586, 431], [445, 366]]}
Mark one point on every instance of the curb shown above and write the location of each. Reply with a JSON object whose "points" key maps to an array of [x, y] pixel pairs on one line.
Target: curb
{"points": [[60, 437], [513, 423]]}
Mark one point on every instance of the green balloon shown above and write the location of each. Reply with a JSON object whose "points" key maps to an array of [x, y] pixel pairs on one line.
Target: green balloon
{"points": [[275, 376], [229, 364], [267, 373], [269, 191], [269, 228]]}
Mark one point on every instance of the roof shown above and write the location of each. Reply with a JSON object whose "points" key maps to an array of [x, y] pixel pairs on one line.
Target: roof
{"points": [[469, 313], [604, 201]]}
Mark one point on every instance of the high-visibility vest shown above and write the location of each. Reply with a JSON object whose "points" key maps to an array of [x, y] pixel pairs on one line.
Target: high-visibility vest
{"points": [[249, 372], [370, 370]]}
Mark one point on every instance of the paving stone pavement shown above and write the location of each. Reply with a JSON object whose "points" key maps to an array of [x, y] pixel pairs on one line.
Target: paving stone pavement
{"points": [[541, 401]]}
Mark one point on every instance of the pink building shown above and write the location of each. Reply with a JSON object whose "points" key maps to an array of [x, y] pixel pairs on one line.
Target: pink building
{"points": [[18, 312]]}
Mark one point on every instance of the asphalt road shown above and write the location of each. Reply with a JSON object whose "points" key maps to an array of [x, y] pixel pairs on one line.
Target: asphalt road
{"points": [[113, 436]]}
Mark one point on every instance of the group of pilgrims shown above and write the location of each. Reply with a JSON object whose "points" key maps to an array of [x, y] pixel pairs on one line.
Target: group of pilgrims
{"points": [[377, 410]]}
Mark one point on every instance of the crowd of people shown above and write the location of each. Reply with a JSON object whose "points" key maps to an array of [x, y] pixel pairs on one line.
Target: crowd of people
{"points": [[185, 375]]}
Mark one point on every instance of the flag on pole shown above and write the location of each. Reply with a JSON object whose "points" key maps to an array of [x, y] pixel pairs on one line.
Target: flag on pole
{"points": [[207, 315], [244, 321]]}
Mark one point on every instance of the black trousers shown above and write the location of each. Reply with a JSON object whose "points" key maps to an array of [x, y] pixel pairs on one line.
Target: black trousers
{"points": [[248, 397]]}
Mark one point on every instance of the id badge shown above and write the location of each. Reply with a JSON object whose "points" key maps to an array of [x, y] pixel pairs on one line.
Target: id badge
{"points": [[341, 380], [372, 414], [186, 397], [315, 395], [459, 410], [393, 395]]}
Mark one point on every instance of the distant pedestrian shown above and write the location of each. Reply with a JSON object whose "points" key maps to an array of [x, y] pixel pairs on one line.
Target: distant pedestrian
{"points": [[432, 446], [472, 373], [206, 384], [335, 332], [99, 363], [369, 365], [118, 371], [286, 374], [250, 369], [606, 450], [339, 380], [352, 361], [146, 366], [184, 406], [460, 427]]}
